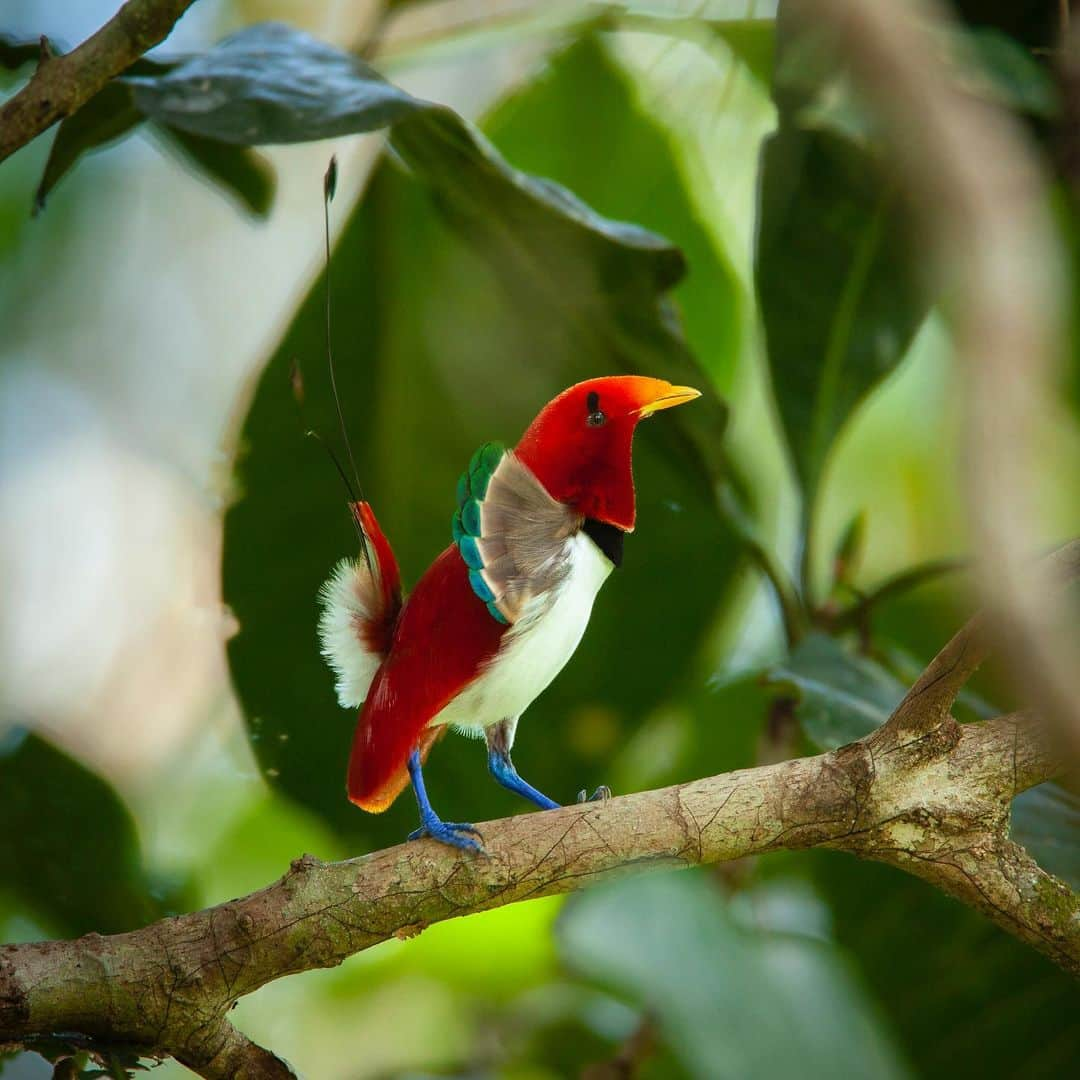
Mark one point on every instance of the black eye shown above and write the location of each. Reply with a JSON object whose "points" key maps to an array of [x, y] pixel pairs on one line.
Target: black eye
{"points": [[593, 416], [595, 419]]}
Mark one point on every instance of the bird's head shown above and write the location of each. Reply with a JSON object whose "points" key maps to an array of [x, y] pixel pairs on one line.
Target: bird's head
{"points": [[579, 445]]}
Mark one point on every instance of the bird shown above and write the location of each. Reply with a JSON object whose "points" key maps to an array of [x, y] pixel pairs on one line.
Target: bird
{"points": [[535, 532]]}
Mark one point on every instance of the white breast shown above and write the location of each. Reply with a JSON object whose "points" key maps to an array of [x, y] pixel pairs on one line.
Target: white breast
{"points": [[536, 647]]}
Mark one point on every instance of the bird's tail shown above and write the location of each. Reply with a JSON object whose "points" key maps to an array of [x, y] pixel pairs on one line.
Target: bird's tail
{"points": [[360, 605]]}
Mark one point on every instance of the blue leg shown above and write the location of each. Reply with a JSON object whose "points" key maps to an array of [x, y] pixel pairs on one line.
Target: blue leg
{"points": [[502, 768], [456, 834]]}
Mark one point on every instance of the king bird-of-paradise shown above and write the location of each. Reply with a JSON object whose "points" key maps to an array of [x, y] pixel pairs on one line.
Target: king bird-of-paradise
{"points": [[536, 532]]}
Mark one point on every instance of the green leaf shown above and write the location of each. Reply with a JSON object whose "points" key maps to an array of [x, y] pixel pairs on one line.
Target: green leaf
{"points": [[731, 1001], [242, 173], [1016, 78], [269, 83], [17, 52], [954, 987], [838, 298], [842, 697], [753, 41], [68, 847], [462, 304], [106, 117]]}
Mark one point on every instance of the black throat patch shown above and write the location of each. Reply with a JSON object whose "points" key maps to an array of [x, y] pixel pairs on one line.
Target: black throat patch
{"points": [[607, 538]]}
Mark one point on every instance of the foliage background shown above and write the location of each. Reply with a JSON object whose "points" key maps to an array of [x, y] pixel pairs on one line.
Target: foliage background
{"points": [[138, 312]]}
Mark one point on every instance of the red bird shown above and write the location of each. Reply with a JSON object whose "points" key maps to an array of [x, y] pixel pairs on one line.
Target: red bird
{"points": [[536, 532]]}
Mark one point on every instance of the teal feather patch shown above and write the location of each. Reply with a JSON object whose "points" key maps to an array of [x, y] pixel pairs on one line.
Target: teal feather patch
{"points": [[480, 586], [470, 553], [472, 488]]}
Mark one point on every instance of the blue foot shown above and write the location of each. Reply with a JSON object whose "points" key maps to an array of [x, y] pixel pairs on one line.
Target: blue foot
{"points": [[459, 834], [601, 794]]}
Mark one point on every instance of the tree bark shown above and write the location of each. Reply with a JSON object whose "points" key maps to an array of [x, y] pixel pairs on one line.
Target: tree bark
{"points": [[61, 84]]}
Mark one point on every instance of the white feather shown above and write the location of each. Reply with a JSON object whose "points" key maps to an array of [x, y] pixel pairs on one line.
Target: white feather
{"points": [[344, 612], [535, 649]]}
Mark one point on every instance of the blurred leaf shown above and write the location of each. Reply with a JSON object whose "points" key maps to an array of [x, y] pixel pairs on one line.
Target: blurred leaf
{"points": [[955, 988], [842, 697], [68, 847], [732, 1002], [243, 173], [1046, 820], [849, 550], [752, 41], [1016, 78], [449, 334], [711, 728], [108, 115], [269, 83], [838, 299], [15, 52]]}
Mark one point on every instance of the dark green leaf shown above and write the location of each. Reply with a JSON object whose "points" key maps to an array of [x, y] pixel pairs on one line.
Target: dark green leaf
{"points": [[17, 52], [242, 173], [107, 116], [68, 848], [842, 697], [837, 294], [958, 991], [732, 1002], [269, 84], [1046, 820], [453, 326], [1017, 79]]}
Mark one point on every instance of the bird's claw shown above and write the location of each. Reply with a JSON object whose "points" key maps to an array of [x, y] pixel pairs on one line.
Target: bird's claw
{"points": [[459, 834], [601, 794]]}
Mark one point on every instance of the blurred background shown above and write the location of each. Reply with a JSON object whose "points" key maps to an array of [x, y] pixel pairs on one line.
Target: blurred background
{"points": [[169, 740]]}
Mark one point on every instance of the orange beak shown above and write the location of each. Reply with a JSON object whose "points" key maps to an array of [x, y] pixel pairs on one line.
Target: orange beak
{"points": [[668, 397]]}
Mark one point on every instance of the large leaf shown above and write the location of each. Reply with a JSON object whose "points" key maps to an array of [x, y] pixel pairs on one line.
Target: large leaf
{"points": [[838, 299], [238, 171], [463, 303], [68, 848], [731, 1002], [841, 696], [270, 83], [107, 116], [835, 278]]}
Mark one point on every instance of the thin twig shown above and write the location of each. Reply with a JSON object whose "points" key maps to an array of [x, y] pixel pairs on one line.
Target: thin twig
{"points": [[61, 84]]}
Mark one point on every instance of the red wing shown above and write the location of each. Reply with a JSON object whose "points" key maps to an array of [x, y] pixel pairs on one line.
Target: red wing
{"points": [[443, 637]]}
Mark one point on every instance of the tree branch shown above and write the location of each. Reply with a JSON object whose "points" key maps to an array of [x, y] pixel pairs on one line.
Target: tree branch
{"points": [[938, 807], [61, 84]]}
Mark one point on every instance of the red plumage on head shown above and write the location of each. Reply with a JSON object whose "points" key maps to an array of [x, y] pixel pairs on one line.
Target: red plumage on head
{"points": [[579, 446]]}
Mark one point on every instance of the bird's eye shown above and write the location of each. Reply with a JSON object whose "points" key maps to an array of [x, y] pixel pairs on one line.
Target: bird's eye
{"points": [[595, 419], [593, 416]]}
